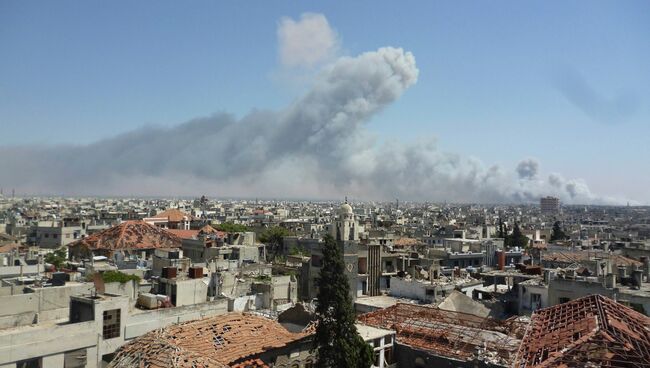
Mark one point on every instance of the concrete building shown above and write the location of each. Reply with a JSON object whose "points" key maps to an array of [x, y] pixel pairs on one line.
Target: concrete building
{"points": [[549, 205], [97, 325], [432, 337]]}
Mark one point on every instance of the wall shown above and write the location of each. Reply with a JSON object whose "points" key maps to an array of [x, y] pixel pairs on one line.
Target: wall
{"points": [[401, 288], [27, 270], [572, 289], [410, 357], [143, 322], [127, 288], [49, 303]]}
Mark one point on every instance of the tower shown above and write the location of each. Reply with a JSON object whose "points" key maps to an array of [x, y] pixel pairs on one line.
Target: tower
{"points": [[345, 226]]}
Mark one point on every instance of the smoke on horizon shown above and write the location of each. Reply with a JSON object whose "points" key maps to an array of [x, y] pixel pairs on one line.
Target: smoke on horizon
{"points": [[318, 147]]}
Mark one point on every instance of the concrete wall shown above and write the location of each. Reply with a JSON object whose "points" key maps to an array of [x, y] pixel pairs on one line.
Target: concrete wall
{"points": [[46, 340], [191, 291], [572, 289], [143, 322], [44, 304], [128, 288], [409, 357], [50, 341], [525, 291], [26, 270], [402, 288]]}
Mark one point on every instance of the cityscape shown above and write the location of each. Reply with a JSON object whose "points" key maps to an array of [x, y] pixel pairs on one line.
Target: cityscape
{"points": [[292, 185]]}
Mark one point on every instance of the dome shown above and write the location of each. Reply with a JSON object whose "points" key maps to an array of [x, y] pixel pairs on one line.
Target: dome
{"points": [[345, 209]]}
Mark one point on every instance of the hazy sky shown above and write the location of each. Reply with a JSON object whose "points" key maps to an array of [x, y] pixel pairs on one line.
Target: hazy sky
{"points": [[566, 83]]}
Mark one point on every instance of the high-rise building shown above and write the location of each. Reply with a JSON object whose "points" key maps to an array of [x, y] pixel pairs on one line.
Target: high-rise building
{"points": [[549, 204]]}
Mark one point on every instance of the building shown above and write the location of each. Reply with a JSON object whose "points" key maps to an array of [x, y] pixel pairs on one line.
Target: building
{"points": [[128, 238], [549, 205], [95, 327], [432, 337], [220, 341], [593, 331]]}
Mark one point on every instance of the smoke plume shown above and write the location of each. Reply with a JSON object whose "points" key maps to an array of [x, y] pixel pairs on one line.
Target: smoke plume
{"points": [[318, 147]]}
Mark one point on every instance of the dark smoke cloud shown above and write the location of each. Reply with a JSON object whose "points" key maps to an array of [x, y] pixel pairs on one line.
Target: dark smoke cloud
{"points": [[317, 147]]}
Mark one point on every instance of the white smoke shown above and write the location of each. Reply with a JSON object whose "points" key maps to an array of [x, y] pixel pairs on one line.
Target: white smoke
{"points": [[318, 147], [306, 42]]}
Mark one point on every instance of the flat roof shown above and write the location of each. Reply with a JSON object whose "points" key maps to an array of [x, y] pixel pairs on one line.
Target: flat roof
{"points": [[371, 333]]}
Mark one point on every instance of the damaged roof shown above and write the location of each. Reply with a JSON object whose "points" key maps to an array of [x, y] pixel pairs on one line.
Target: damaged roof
{"points": [[450, 334], [211, 342], [590, 331], [130, 235]]}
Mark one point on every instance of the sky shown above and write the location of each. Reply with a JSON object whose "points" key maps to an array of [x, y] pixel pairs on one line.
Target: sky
{"points": [[557, 87]]}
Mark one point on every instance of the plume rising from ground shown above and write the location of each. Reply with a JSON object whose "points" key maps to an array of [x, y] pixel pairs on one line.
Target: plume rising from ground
{"points": [[317, 147]]}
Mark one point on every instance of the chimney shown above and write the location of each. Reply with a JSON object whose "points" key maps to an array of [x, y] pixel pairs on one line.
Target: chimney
{"points": [[501, 259], [610, 281]]}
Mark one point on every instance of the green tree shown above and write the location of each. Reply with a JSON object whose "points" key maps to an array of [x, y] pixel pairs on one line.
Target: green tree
{"points": [[502, 232], [57, 258], [337, 342], [517, 239], [273, 238], [557, 233], [229, 227]]}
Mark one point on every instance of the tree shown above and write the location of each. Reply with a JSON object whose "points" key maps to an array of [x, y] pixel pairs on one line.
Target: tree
{"points": [[273, 238], [502, 232], [517, 239], [229, 227], [337, 342], [57, 258], [557, 233]]}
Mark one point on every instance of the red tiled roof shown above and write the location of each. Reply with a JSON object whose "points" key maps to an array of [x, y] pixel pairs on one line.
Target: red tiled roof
{"points": [[251, 363], [224, 340], [593, 329], [174, 215], [184, 234], [207, 229], [130, 235]]}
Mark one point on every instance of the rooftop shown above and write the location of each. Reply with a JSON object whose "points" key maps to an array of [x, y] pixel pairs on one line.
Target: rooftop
{"points": [[593, 329], [212, 342], [130, 235], [449, 334]]}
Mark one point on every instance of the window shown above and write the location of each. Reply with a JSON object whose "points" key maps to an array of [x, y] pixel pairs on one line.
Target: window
{"points": [[535, 301], [111, 324], [564, 300], [388, 355], [74, 359], [55, 236], [30, 363], [316, 261], [47, 235]]}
